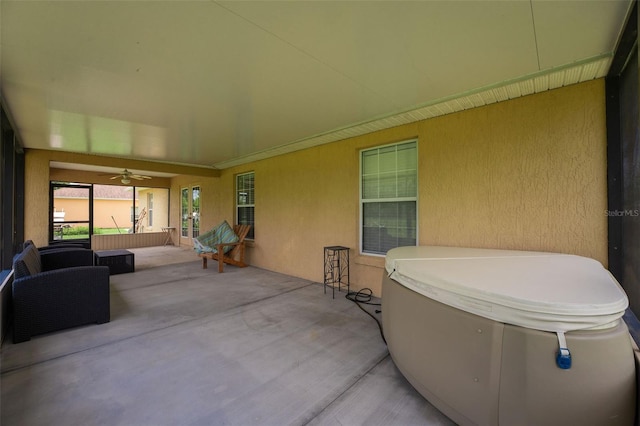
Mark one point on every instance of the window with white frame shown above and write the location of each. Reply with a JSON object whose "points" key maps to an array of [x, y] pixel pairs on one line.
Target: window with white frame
{"points": [[389, 197], [150, 209], [245, 201]]}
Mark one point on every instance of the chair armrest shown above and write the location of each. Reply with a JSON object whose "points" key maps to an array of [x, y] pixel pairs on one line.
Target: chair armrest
{"points": [[59, 299], [64, 280], [230, 244], [65, 258], [219, 247]]}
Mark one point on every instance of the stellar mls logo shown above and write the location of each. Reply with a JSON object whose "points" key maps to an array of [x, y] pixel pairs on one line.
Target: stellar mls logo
{"points": [[622, 213]]}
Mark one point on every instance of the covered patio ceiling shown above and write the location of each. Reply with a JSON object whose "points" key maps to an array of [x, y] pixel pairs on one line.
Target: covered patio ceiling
{"points": [[215, 84]]}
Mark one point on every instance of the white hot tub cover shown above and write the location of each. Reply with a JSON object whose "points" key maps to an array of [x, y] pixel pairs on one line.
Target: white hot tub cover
{"points": [[543, 291]]}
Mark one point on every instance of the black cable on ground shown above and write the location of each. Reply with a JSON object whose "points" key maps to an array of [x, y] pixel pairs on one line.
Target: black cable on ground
{"points": [[364, 296]]}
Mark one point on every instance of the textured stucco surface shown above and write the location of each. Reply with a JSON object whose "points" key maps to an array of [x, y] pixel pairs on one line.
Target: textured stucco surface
{"points": [[523, 174]]}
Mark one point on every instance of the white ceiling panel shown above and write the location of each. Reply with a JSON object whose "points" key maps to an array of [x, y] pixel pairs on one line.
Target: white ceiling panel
{"points": [[217, 84], [404, 50], [586, 29]]}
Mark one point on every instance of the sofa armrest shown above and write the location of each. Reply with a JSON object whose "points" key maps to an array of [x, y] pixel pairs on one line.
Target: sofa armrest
{"points": [[61, 245], [65, 258], [58, 299]]}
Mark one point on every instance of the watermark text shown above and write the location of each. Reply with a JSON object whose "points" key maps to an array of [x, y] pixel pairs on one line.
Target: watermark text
{"points": [[622, 213]]}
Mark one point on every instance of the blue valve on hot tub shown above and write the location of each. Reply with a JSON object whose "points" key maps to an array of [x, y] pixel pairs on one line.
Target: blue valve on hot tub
{"points": [[563, 359]]}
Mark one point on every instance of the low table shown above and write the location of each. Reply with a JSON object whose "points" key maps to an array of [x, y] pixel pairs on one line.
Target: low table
{"points": [[169, 231], [118, 261]]}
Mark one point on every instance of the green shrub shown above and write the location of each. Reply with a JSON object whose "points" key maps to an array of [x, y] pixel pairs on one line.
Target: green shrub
{"points": [[77, 230]]}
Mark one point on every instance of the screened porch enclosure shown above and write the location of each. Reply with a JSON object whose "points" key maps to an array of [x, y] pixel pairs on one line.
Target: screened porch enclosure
{"points": [[79, 211]]}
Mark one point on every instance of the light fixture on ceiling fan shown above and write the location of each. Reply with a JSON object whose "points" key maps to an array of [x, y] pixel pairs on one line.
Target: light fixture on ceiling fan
{"points": [[126, 176]]}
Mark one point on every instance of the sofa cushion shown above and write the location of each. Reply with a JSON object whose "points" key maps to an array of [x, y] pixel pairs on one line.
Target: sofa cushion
{"points": [[27, 263], [222, 233]]}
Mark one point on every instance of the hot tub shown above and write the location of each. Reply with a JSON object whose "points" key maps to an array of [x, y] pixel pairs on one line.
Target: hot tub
{"points": [[497, 337]]}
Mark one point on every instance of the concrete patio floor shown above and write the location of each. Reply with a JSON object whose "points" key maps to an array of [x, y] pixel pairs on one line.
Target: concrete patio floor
{"points": [[187, 346]]}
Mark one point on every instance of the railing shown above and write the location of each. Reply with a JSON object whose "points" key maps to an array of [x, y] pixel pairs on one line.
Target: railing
{"points": [[125, 241]]}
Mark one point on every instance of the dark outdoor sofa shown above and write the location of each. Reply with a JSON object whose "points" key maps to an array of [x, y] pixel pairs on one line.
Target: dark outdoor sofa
{"points": [[52, 291]]}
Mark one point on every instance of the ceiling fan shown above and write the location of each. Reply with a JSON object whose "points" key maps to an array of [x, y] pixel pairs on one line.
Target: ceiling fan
{"points": [[126, 176]]}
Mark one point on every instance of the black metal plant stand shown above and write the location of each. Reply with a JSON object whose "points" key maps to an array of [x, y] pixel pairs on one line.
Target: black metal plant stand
{"points": [[336, 268]]}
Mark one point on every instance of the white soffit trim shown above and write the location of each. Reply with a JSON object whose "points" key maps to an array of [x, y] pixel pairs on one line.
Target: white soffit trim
{"points": [[554, 78]]}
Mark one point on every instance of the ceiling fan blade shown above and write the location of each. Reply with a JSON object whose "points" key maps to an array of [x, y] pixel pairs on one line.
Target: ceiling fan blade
{"points": [[126, 175]]}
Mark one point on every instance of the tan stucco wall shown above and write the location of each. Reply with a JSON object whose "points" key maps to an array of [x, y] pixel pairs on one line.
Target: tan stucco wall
{"points": [[160, 209], [103, 210], [36, 197], [523, 174]]}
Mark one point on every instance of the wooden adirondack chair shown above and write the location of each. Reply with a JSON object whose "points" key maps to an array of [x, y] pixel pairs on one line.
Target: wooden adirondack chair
{"points": [[235, 256]]}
